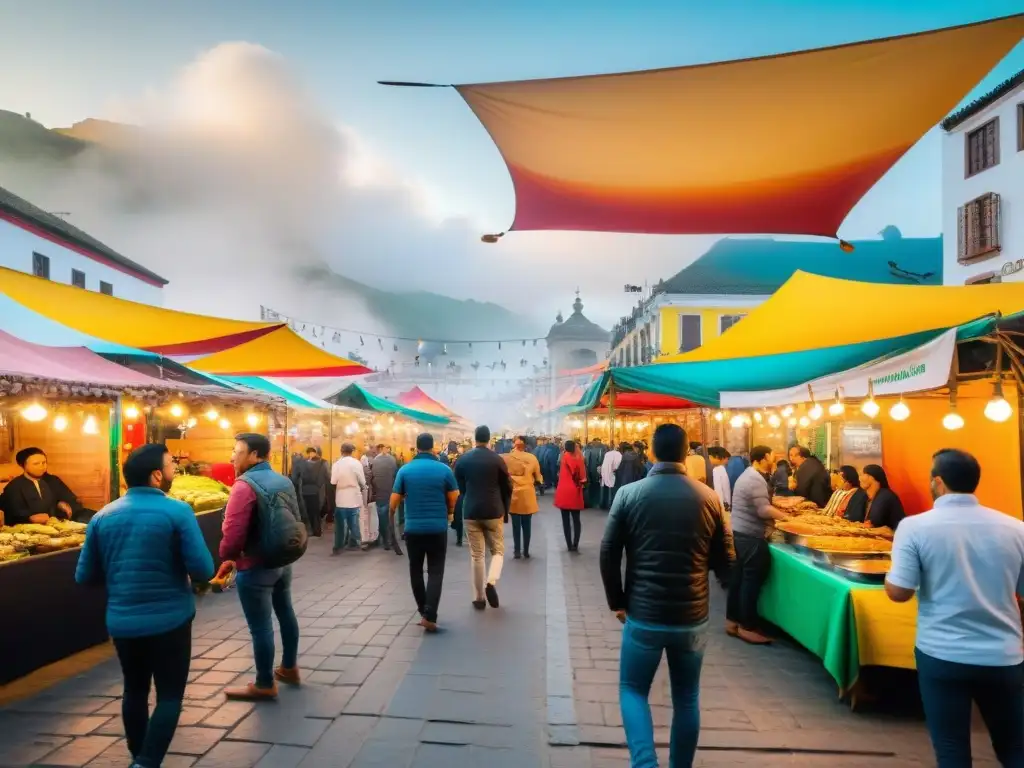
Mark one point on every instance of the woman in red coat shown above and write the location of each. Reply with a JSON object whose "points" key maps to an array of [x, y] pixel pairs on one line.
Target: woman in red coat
{"points": [[569, 493]]}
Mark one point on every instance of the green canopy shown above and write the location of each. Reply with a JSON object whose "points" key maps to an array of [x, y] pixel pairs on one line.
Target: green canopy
{"points": [[292, 396], [354, 396], [703, 381]]}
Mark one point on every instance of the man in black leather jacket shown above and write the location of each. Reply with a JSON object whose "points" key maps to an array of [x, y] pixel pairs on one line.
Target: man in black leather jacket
{"points": [[673, 532], [593, 456]]}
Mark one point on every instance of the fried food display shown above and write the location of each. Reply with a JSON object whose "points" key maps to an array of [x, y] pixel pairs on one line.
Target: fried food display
{"points": [[848, 544]]}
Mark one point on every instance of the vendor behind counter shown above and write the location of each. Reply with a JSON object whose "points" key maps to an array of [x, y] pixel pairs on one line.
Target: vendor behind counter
{"points": [[36, 495]]}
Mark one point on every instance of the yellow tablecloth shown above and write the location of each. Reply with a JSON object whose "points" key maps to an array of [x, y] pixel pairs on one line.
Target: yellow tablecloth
{"points": [[885, 630]]}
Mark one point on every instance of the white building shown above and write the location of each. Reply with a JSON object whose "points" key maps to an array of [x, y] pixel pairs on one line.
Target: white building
{"points": [[43, 244], [982, 185]]}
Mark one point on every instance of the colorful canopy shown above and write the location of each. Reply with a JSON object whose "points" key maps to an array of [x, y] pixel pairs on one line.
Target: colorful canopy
{"points": [[291, 395], [813, 313], [419, 400], [779, 144], [639, 402], [219, 346], [71, 364], [354, 396]]}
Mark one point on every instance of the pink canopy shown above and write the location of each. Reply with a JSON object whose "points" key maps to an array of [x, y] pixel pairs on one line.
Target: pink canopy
{"points": [[77, 364]]}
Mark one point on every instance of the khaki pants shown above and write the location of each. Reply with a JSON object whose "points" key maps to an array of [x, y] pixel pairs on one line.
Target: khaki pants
{"points": [[489, 534]]}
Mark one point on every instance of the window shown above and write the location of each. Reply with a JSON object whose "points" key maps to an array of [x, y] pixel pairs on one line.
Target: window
{"points": [[725, 322], [984, 278], [689, 332], [106, 289], [41, 265], [978, 229], [981, 149], [78, 278], [1020, 127]]}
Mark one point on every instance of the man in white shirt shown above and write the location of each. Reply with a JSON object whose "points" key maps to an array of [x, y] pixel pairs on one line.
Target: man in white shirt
{"points": [[719, 476], [966, 564], [348, 477], [611, 462]]}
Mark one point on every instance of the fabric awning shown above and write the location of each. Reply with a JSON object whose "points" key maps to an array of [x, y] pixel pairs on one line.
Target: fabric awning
{"points": [[354, 396], [208, 344], [590, 370], [811, 313], [779, 144], [419, 400], [289, 394], [639, 402]]}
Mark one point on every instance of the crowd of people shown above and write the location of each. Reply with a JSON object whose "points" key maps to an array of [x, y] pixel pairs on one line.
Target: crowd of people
{"points": [[692, 512]]}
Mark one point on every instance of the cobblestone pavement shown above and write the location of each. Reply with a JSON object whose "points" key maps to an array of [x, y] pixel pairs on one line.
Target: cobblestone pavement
{"points": [[531, 685]]}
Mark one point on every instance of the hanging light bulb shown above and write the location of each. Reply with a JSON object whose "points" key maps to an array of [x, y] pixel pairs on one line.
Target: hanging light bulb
{"points": [[804, 421], [212, 414], [90, 427], [252, 419], [758, 416], [719, 416], [870, 408], [792, 421], [131, 412], [837, 407], [900, 411], [736, 421], [997, 409], [33, 412], [60, 422], [377, 428], [816, 411], [787, 411], [177, 411], [191, 423], [774, 421], [952, 420], [224, 424]]}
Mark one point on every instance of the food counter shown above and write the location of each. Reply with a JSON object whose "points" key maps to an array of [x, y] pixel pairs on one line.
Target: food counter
{"points": [[47, 616]]}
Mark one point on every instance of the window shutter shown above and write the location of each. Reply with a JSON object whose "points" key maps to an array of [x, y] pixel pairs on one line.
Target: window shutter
{"points": [[995, 205], [961, 233]]}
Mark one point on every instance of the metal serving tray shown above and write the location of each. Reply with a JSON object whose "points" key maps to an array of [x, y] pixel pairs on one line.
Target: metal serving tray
{"points": [[847, 568]]}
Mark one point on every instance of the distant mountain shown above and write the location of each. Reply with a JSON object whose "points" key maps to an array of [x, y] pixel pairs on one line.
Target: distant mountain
{"points": [[30, 145]]}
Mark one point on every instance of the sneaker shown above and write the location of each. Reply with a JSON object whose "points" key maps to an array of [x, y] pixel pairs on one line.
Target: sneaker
{"points": [[492, 595], [479, 604], [288, 676], [250, 692], [754, 638]]}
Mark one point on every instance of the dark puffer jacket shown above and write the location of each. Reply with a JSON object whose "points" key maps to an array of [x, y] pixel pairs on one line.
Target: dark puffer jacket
{"points": [[673, 533]]}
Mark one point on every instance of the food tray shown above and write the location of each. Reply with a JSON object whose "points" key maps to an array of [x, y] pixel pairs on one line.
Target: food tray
{"points": [[837, 556], [848, 570]]}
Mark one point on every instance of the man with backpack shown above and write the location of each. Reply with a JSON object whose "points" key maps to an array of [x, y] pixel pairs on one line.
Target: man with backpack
{"points": [[263, 534]]}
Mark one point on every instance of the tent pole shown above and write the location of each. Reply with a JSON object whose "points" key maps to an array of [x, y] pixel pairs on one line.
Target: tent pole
{"points": [[115, 442], [586, 428], [611, 414], [704, 430]]}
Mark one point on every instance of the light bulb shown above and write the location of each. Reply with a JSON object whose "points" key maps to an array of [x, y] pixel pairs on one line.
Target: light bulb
{"points": [[736, 421], [836, 409], [900, 411], [757, 416], [816, 412], [804, 421], [792, 421], [177, 411], [787, 411], [377, 427], [391, 419], [33, 412], [225, 424], [998, 410], [90, 427], [774, 421], [870, 408], [60, 422], [252, 419], [952, 421], [719, 416], [131, 412], [212, 414], [191, 423]]}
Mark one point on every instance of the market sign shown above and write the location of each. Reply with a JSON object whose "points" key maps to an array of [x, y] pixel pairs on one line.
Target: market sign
{"points": [[917, 370], [1012, 267]]}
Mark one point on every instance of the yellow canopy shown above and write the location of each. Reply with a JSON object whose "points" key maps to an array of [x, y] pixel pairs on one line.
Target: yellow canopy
{"points": [[778, 144], [813, 312], [225, 347]]}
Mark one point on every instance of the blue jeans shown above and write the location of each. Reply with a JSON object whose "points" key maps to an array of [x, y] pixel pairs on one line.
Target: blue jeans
{"points": [[264, 592], [947, 690], [346, 527], [642, 647], [384, 522]]}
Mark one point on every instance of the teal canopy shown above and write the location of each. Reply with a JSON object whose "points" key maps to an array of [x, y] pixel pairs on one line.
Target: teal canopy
{"points": [[354, 396], [292, 396], [703, 381]]}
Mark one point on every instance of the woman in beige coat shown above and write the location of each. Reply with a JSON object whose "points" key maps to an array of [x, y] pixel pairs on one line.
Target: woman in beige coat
{"points": [[525, 471]]}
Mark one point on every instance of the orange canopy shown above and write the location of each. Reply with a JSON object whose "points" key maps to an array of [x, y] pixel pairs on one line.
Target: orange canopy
{"points": [[419, 400]]}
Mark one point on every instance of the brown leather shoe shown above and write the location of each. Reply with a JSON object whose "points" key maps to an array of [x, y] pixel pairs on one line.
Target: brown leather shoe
{"points": [[429, 626], [249, 692], [288, 676], [732, 628], [754, 638]]}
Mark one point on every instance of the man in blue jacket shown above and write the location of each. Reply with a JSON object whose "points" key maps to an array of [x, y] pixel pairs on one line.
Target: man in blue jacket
{"points": [[143, 548]]}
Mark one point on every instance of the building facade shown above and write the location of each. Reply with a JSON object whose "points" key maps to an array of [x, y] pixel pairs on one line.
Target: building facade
{"points": [[43, 244], [720, 288], [982, 182]]}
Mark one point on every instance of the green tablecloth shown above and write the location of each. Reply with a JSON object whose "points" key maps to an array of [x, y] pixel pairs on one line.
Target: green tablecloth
{"points": [[813, 606]]}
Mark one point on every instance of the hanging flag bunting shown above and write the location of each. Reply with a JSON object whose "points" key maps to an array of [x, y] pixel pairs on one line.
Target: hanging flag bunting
{"points": [[782, 144]]}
